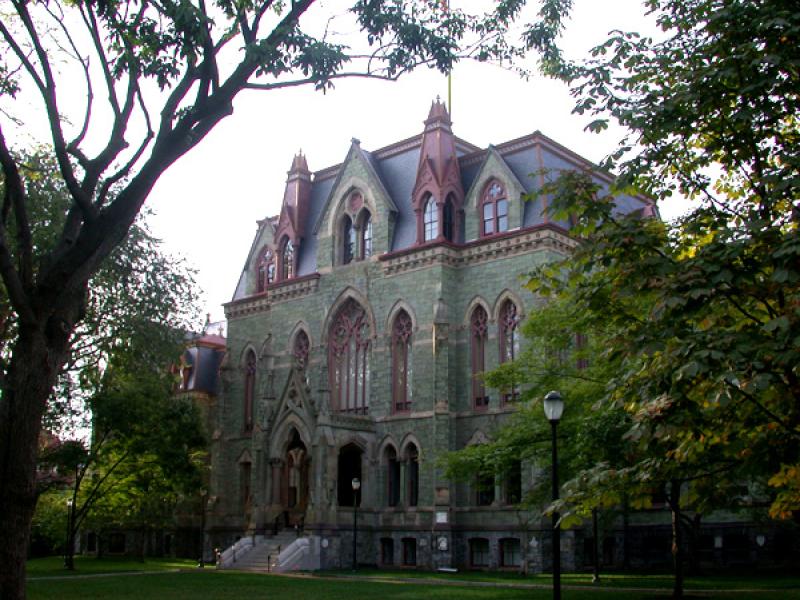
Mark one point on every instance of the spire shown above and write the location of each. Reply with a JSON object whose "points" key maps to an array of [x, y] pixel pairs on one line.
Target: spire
{"points": [[296, 200], [438, 173]]}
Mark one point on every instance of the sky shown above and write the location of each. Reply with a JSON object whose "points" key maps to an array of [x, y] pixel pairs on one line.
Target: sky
{"points": [[207, 204]]}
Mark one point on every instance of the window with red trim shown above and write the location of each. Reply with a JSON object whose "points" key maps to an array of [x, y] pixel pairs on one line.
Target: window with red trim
{"points": [[266, 270], [509, 340], [348, 359], [494, 209], [249, 389], [448, 220], [479, 327], [365, 234], [401, 362], [431, 220], [287, 259]]}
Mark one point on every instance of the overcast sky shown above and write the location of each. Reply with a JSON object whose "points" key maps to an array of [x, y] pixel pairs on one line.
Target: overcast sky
{"points": [[207, 204]]}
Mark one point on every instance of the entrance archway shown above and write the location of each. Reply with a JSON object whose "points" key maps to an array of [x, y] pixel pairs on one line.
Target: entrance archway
{"points": [[349, 467], [295, 490]]}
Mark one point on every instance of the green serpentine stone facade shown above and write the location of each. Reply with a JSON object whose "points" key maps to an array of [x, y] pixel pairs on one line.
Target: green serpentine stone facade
{"points": [[256, 486]]}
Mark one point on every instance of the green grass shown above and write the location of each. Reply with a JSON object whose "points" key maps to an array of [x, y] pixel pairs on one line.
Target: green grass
{"points": [[613, 580], [190, 585], [84, 565]]}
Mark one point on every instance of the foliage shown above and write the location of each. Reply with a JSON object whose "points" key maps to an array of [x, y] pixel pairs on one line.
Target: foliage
{"points": [[48, 530], [708, 372]]}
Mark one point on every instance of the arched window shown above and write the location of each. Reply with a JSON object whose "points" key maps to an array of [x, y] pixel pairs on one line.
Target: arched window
{"points": [[479, 326], [494, 208], [366, 235], [287, 259], [348, 359], [412, 474], [266, 270], [300, 350], [401, 362], [392, 477], [348, 240], [509, 340], [448, 221], [249, 389], [431, 220], [349, 468]]}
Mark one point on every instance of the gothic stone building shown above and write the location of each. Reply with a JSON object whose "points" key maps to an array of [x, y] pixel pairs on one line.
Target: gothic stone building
{"points": [[363, 311]]}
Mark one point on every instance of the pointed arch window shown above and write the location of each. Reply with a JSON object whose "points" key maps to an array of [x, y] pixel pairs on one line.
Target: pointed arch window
{"points": [[494, 209], [448, 220], [431, 220], [412, 474], [301, 350], [479, 326], [348, 359], [266, 270], [348, 240], [249, 389], [509, 340], [401, 362], [392, 477], [287, 259], [365, 232]]}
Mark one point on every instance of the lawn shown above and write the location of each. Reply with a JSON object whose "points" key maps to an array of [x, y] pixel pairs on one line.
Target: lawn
{"points": [[190, 584], [84, 565]]}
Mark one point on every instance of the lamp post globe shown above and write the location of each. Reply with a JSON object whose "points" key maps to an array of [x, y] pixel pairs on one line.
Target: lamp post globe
{"points": [[553, 409]]}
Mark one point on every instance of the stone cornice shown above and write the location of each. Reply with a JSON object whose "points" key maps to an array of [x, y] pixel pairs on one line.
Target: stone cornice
{"points": [[512, 243], [278, 292]]}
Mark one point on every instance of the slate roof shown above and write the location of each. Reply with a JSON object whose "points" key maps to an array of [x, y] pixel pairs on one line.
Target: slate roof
{"points": [[395, 166]]}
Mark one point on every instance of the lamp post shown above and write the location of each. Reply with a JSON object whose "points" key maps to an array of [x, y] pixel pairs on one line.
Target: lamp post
{"points": [[356, 483], [553, 409], [68, 562]]}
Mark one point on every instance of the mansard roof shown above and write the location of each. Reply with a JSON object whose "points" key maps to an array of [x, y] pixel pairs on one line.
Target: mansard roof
{"points": [[396, 167]]}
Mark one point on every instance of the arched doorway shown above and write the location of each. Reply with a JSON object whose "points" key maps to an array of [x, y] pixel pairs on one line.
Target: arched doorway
{"points": [[295, 490], [349, 468]]}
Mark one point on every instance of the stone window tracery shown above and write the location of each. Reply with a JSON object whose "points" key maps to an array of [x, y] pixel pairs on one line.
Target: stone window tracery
{"points": [[509, 340], [479, 326], [401, 362], [494, 209], [348, 356]]}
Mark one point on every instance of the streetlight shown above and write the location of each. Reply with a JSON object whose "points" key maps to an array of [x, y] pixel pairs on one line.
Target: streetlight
{"points": [[68, 562], [356, 483], [553, 409]]}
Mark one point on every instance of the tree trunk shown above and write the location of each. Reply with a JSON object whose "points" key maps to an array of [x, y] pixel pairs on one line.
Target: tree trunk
{"points": [[36, 359], [595, 548], [37, 356], [677, 537], [625, 521]]}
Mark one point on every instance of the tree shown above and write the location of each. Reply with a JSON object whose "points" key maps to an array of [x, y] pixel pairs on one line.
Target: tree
{"points": [[708, 369], [170, 72]]}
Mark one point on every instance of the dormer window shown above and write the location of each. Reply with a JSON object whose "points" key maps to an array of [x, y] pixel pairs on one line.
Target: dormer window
{"points": [[448, 220], [431, 220], [348, 240], [287, 259], [266, 270], [494, 209], [365, 234]]}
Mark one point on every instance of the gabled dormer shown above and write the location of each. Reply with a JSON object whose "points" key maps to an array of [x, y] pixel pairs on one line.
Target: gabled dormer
{"points": [[438, 196], [356, 223], [291, 226], [494, 202]]}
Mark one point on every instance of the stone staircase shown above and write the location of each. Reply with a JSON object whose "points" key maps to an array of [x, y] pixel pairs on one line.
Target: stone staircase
{"points": [[262, 557]]}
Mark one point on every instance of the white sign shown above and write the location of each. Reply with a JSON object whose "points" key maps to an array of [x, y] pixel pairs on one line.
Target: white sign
{"points": [[441, 517]]}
